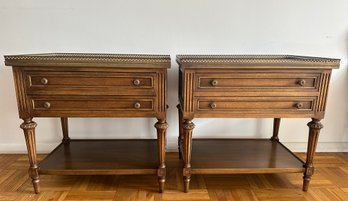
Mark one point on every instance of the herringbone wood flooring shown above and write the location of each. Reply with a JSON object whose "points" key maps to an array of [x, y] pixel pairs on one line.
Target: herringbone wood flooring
{"points": [[330, 182]]}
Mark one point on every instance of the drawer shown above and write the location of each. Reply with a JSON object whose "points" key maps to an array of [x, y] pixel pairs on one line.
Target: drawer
{"points": [[90, 83], [76, 104], [247, 104], [257, 81]]}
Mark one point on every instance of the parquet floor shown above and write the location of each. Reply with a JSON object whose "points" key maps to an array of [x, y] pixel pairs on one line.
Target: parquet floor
{"points": [[330, 182]]}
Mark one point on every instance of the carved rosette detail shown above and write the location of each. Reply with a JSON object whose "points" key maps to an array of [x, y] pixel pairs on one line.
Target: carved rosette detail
{"points": [[187, 172], [309, 171], [163, 125], [315, 124], [161, 172], [28, 125], [34, 172], [189, 126]]}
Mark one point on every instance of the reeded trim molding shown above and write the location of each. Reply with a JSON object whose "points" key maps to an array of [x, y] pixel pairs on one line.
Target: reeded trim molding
{"points": [[315, 124], [84, 58], [188, 125], [160, 125], [259, 60], [28, 125]]}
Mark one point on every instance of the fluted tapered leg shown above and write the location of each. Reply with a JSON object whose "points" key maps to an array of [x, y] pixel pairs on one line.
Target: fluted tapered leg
{"points": [[188, 127], [314, 130], [28, 127], [161, 127]]}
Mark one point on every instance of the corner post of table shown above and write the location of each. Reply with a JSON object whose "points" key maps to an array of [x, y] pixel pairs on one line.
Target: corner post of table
{"points": [[314, 130], [65, 130], [161, 126], [28, 127], [276, 125], [180, 138], [188, 127]]}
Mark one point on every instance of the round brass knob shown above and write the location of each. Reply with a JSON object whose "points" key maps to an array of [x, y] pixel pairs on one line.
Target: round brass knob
{"points": [[137, 105], [213, 105], [136, 82], [299, 105], [214, 83], [44, 81], [301, 82], [47, 105]]}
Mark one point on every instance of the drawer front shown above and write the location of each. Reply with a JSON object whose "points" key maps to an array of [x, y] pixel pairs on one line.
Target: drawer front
{"points": [[90, 83], [76, 104], [257, 82], [257, 104]]}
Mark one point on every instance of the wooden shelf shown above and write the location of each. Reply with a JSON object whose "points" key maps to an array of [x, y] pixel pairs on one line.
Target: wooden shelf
{"points": [[102, 157], [221, 156]]}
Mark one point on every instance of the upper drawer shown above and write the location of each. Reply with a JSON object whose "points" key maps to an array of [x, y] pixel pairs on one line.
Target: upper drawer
{"points": [[257, 81], [90, 83]]}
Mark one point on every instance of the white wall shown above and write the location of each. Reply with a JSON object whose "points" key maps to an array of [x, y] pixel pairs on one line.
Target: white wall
{"points": [[312, 27]]}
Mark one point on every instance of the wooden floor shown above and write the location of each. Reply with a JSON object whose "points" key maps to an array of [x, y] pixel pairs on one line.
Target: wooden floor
{"points": [[330, 182]]}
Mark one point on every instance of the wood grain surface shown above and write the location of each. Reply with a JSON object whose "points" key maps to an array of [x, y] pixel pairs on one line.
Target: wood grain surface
{"points": [[94, 157], [221, 156], [249, 86], [328, 184], [93, 85]]}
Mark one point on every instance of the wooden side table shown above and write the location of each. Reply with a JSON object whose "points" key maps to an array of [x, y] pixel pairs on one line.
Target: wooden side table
{"points": [[93, 85], [250, 87]]}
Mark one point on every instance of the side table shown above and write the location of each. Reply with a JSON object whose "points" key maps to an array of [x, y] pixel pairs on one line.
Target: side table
{"points": [[250, 86], [68, 85]]}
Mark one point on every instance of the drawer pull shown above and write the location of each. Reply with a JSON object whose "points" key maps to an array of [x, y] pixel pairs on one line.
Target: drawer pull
{"points": [[214, 83], [47, 105], [137, 105], [44, 81], [301, 82], [299, 105], [136, 82], [213, 105]]}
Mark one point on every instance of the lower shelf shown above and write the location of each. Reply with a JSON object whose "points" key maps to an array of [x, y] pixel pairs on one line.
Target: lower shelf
{"points": [[223, 156], [102, 157]]}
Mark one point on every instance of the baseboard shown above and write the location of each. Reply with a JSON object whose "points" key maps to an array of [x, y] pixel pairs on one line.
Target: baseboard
{"points": [[172, 147], [22, 149], [321, 147]]}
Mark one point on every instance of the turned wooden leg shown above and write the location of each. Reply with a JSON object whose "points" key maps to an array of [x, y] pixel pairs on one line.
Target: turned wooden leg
{"points": [[180, 138], [188, 127], [28, 127], [314, 130], [161, 127], [64, 122], [276, 124]]}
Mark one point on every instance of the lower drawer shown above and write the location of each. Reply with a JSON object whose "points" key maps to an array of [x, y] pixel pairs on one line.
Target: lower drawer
{"points": [[42, 104], [292, 104]]}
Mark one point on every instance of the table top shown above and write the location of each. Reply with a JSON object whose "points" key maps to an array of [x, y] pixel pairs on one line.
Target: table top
{"points": [[262, 61], [88, 60]]}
